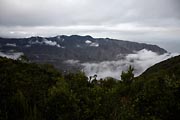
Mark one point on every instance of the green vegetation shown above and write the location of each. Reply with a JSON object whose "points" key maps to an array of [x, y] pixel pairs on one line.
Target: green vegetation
{"points": [[30, 91], [127, 77]]}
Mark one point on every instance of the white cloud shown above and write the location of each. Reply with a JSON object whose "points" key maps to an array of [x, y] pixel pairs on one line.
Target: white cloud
{"points": [[71, 62], [51, 43], [11, 44], [46, 42], [88, 41], [140, 60], [94, 45], [11, 55]]}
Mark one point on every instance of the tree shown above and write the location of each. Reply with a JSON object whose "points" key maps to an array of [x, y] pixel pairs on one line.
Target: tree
{"points": [[23, 58], [127, 77]]}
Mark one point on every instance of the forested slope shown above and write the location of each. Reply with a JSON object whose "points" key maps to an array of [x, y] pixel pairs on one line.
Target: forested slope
{"points": [[167, 68], [30, 91]]}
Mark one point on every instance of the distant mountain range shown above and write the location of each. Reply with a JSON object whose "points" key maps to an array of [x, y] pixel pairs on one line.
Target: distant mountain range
{"points": [[63, 50]]}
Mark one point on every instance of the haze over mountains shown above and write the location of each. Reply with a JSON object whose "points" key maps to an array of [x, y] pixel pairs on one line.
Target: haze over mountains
{"points": [[128, 69], [102, 56]]}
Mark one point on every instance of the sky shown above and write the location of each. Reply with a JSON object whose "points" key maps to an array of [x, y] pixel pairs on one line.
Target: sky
{"points": [[150, 21]]}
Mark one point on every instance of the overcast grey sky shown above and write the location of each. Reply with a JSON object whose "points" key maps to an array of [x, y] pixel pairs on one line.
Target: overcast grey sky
{"points": [[143, 20]]}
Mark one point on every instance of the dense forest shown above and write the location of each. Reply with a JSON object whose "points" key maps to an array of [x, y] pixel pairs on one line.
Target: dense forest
{"points": [[30, 91]]}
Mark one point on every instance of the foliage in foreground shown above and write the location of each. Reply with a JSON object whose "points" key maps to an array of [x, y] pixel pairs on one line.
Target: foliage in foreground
{"points": [[39, 92]]}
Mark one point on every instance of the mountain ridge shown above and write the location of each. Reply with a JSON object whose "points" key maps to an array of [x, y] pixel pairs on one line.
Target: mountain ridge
{"points": [[58, 49]]}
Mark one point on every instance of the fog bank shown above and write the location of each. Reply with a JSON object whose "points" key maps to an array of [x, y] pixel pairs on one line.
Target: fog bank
{"points": [[140, 60]]}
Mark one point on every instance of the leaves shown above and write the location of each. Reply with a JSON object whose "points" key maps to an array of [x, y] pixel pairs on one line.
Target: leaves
{"points": [[30, 91], [127, 77]]}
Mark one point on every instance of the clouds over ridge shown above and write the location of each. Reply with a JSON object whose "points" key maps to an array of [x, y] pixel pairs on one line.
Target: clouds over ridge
{"points": [[140, 60]]}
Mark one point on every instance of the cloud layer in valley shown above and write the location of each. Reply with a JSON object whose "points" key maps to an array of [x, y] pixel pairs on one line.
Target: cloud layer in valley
{"points": [[140, 60], [14, 55]]}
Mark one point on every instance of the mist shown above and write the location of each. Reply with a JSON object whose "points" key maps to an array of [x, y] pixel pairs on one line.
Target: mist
{"points": [[140, 60], [14, 56]]}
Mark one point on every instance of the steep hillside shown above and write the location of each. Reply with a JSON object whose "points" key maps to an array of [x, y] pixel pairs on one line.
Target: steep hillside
{"points": [[167, 68]]}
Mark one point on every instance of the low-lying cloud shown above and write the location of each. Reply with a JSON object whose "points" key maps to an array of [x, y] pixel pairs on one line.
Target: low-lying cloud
{"points": [[72, 62], [46, 42], [140, 60], [11, 55]]}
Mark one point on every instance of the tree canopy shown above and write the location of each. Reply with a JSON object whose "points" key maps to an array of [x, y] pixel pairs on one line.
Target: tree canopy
{"points": [[30, 91]]}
